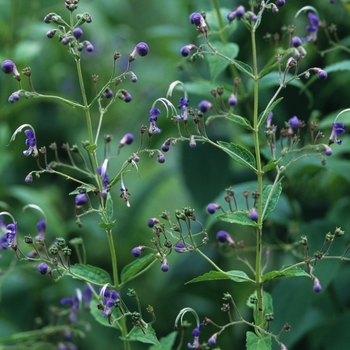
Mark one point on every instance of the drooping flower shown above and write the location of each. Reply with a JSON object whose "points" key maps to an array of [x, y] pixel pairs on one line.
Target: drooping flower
{"points": [[80, 199], [196, 333], [253, 215], [212, 339], [136, 252], [223, 237], [317, 286], [296, 41], [9, 239], [41, 226], [102, 171], [89, 47], [153, 118], [240, 11], [232, 101], [109, 301], [186, 50], [312, 28], [198, 20], [204, 105], [151, 222], [165, 266], [9, 67], [183, 104], [31, 142], [126, 140], [338, 129], [141, 49], [180, 247], [44, 269], [212, 207], [280, 3]]}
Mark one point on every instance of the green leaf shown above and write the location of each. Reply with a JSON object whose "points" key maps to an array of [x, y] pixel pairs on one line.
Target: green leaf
{"points": [[87, 188], [269, 200], [266, 71], [285, 271], [243, 67], [218, 64], [89, 273], [339, 66], [136, 334], [109, 207], [262, 117], [76, 241], [237, 217], [241, 121], [136, 266], [91, 148], [106, 226], [239, 153], [211, 17], [256, 343], [97, 314], [267, 306], [165, 343], [270, 165], [237, 276]]}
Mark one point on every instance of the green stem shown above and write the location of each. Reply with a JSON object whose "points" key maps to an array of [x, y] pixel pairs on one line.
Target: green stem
{"points": [[113, 258], [259, 172]]}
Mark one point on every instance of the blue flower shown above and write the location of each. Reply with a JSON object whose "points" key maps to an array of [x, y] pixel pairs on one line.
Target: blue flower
{"points": [[312, 28], [338, 129], [102, 171], [183, 104], [31, 142], [9, 239], [294, 123], [41, 226], [153, 118], [44, 269], [74, 304], [196, 333], [109, 301]]}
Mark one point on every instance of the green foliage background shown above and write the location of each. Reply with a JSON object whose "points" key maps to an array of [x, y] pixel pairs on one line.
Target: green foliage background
{"points": [[315, 198]]}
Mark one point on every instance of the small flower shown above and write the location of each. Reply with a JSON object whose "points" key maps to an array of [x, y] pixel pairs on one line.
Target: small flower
{"points": [[193, 142], [164, 267], [183, 104], [204, 105], [327, 150], [338, 129], [41, 226], [65, 40], [180, 247], [51, 33], [165, 147], [126, 140], [186, 50], [253, 215], [141, 49], [44, 269], [136, 252], [74, 304], [160, 158], [196, 333], [153, 129], [223, 237], [77, 33], [231, 16], [212, 339], [102, 171], [89, 47], [9, 67], [133, 78], [87, 296], [312, 28], [108, 93], [80, 199], [9, 239], [151, 222], [28, 179], [294, 123], [232, 101], [317, 286], [109, 301], [212, 207], [240, 11], [280, 3], [296, 41], [31, 142], [198, 20], [14, 97], [322, 74]]}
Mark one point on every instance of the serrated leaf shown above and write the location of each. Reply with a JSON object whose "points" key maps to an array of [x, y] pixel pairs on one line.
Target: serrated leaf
{"points": [[256, 343], [106, 225], [237, 276], [218, 64], [89, 273], [285, 271], [241, 121], [237, 217], [269, 200], [262, 117], [165, 343], [239, 153], [136, 266], [136, 334], [270, 165], [243, 67]]}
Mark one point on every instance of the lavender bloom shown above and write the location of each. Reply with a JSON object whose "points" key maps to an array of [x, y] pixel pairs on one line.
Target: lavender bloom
{"points": [[240, 11], [312, 28], [294, 123], [102, 171], [322, 74], [141, 49], [77, 33], [211, 208], [196, 333], [14, 97], [41, 226], [296, 41], [223, 237], [164, 267], [9, 239], [136, 252], [74, 304], [338, 129], [183, 104], [204, 105], [126, 140], [44, 269], [87, 296], [185, 50], [327, 150], [31, 142], [160, 158], [280, 3], [253, 215], [109, 301], [89, 47], [212, 339], [231, 16], [317, 286], [153, 129], [165, 147], [232, 101], [9, 67], [151, 222], [108, 93], [80, 199], [180, 247], [198, 20]]}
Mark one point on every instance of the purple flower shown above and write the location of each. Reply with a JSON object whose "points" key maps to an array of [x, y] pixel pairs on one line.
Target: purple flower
{"points": [[296, 41], [322, 74], [136, 252], [183, 104], [102, 171], [280, 3], [338, 129], [74, 304], [9, 239], [212, 339], [180, 247], [232, 101], [108, 93], [253, 215], [165, 147], [327, 150], [160, 158], [186, 50], [223, 237], [153, 129], [44, 269], [14, 97], [28, 179], [196, 333], [77, 33], [80, 199], [231, 16], [9, 67], [31, 142], [317, 286], [204, 105], [89, 47], [164, 267], [240, 11], [151, 222], [126, 140], [198, 20], [294, 123], [41, 226], [142, 49], [211, 208], [109, 301], [312, 28]]}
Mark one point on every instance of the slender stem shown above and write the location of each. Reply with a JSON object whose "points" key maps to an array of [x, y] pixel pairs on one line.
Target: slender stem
{"points": [[259, 172], [113, 258]]}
